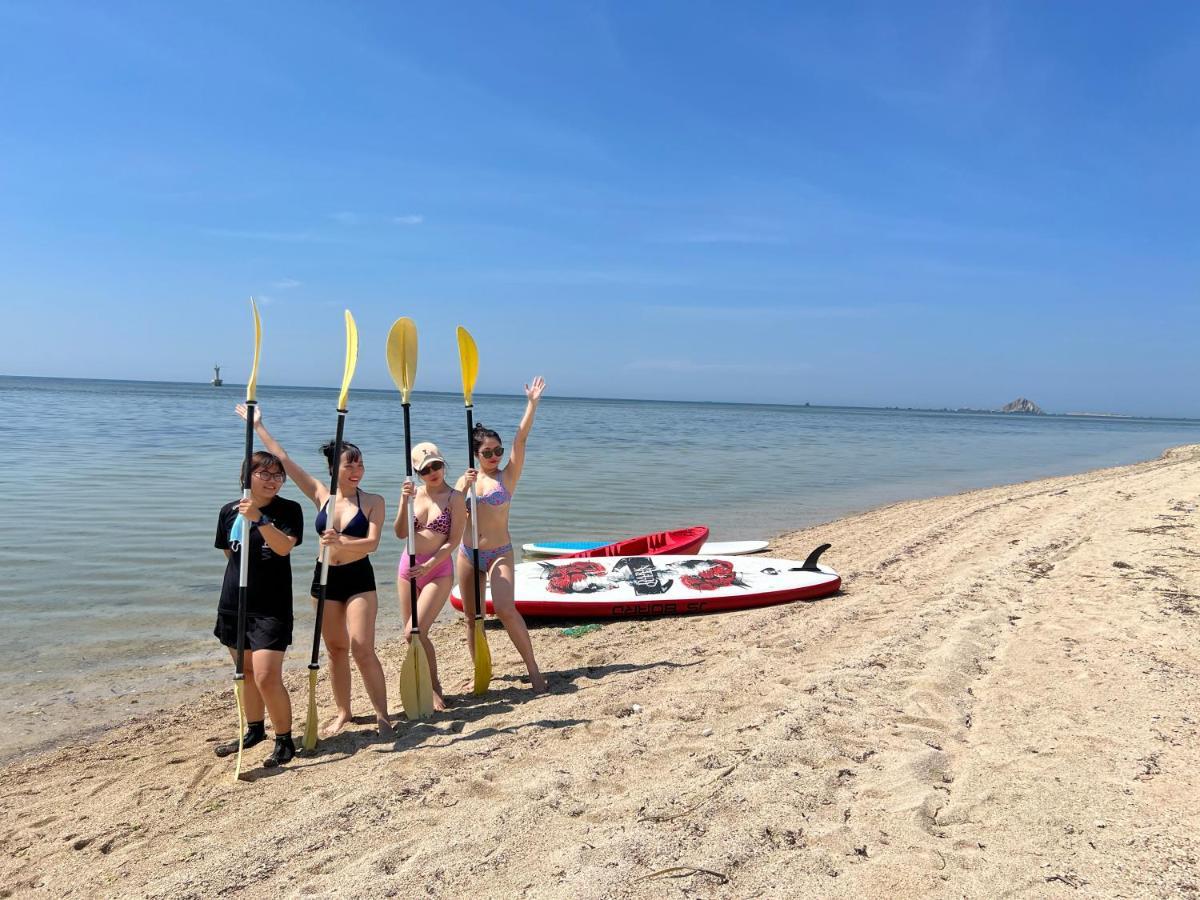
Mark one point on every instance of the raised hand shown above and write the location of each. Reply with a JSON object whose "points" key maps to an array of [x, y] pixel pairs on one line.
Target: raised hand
{"points": [[241, 411], [534, 390]]}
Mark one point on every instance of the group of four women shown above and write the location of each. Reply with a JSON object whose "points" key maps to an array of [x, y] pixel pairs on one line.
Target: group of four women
{"points": [[437, 514]]}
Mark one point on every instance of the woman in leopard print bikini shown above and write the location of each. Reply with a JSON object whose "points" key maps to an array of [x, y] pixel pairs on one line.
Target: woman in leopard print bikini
{"points": [[438, 514]]}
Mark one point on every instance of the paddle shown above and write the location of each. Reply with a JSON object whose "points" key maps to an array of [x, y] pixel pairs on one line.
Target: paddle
{"points": [[468, 357], [242, 527], [314, 665], [416, 684]]}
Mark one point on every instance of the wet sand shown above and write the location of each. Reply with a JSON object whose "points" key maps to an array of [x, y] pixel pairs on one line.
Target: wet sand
{"points": [[1004, 699]]}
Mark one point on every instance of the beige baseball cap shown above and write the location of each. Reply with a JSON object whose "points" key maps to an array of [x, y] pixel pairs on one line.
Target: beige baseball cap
{"points": [[425, 453]]}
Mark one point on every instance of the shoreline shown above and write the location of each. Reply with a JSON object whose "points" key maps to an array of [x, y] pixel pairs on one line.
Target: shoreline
{"points": [[208, 669], [1005, 694], [211, 669]]}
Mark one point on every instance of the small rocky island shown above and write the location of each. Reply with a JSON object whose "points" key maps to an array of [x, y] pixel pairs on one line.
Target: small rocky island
{"points": [[1021, 405]]}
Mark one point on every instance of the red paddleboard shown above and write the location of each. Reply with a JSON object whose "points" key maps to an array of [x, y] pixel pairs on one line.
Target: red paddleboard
{"points": [[680, 542], [608, 587]]}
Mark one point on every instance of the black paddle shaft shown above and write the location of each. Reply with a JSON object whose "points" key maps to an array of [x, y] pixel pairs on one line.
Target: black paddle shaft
{"points": [[239, 668], [412, 538], [314, 663], [474, 509]]}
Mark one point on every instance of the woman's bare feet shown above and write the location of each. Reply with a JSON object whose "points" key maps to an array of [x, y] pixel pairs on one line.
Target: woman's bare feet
{"points": [[538, 681], [335, 725], [439, 705], [384, 726]]}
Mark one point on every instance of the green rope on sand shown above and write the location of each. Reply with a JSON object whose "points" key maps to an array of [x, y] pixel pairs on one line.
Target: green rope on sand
{"points": [[579, 630]]}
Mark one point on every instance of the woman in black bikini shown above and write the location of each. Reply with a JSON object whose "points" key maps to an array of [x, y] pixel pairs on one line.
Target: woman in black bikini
{"points": [[348, 626]]}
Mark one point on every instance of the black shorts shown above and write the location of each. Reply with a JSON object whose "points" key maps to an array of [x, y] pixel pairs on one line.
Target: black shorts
{"points": [[262, 632], [345, 581]]}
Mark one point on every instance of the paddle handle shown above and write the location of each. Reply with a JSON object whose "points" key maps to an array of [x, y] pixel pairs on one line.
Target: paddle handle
{"points": [[474, 499], [411, 548], [314, 662], [244, 549]]}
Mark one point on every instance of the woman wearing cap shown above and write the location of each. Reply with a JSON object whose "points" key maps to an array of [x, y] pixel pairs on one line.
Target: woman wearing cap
{"points": [[495, 488], [352, 533], [437, 519]]}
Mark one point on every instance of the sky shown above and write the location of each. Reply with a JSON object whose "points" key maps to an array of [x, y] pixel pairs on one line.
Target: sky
{"points": [[922, 204]]}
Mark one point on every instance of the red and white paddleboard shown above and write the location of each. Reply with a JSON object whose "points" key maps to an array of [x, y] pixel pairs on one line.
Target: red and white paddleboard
{"points": [[607, 587]]}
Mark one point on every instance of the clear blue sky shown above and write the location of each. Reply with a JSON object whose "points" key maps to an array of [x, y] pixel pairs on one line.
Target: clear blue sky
{"points": [[874, 203]]}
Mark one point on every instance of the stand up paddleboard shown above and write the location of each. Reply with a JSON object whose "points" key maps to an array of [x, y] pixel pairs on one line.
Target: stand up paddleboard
{"points": [[605, 587], [710, 548]]}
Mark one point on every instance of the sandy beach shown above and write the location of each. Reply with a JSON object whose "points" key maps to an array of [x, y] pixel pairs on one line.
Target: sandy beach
{"points": [[1003, 700]]}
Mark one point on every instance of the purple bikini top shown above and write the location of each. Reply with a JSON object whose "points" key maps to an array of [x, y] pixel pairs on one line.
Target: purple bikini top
{"points": [[440, 525]]}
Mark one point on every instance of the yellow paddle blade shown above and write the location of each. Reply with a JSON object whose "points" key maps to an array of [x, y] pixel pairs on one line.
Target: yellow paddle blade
{"points": [[424, 681], [310, 724], [409, 690], [252, 384], [351, 358], [238, 687], [402, 355], [468, 359], [483, 661]]}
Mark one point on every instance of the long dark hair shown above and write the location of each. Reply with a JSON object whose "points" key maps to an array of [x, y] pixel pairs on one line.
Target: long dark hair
{"points": [[260, 459], [350, 451], [480, 434]]}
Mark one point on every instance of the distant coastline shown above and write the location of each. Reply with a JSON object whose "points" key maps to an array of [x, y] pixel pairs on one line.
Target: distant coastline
{"points": [[234, 386]]}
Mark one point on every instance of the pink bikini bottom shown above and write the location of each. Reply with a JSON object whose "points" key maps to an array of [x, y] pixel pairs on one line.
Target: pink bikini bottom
{"points": [[445, 570]]}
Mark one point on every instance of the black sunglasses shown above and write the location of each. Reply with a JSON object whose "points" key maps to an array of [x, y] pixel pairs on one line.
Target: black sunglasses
{"points": [[488, 454], [432, 467]]}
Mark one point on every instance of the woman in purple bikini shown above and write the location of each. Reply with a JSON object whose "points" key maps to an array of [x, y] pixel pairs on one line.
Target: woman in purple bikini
{"points": [[495, 487], [438, 514]]}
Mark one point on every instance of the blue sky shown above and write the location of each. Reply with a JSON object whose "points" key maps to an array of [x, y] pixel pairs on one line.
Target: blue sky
{"points": [[877, 204]]}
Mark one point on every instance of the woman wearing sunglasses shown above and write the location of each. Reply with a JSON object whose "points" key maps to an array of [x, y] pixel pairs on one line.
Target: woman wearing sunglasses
{"points": [[437, 519], [351, 533], [275, 525], [495, 486]]}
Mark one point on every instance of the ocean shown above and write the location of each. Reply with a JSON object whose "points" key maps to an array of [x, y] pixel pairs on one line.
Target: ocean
{"points": [[111, 580]]}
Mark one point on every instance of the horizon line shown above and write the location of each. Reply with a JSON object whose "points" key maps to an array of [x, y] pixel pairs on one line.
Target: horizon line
{"points": [[805, 405]]}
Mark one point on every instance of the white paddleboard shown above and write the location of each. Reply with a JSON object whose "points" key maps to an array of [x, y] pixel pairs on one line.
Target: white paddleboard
{"points": [[603, 587]]}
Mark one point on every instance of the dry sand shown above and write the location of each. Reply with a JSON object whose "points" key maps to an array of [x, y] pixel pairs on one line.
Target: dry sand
{"points": [[1003, 700]]}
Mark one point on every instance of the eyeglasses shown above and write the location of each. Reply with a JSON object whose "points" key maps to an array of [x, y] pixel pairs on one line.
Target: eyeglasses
{"points": [[488, 454], [270, 476], [432, 467]]}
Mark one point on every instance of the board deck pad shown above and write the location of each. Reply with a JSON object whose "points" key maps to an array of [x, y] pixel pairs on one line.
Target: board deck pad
{"points": [[605, 587]]}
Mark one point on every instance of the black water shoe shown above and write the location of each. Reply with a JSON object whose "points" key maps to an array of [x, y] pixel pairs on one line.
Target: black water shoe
{"points": [[283, 752], [256, 733]]}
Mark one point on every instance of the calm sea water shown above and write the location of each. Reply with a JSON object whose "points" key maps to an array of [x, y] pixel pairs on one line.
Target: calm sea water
{"points": [[110, 579]]}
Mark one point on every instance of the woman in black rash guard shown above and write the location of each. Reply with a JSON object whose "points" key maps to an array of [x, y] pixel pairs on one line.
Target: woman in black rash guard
{"points": [[276, 525], [351, 602]]}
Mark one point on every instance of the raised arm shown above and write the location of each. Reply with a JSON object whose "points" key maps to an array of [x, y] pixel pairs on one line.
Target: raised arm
{"points": [[312, 488], [516, 462]]}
